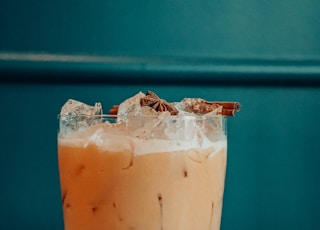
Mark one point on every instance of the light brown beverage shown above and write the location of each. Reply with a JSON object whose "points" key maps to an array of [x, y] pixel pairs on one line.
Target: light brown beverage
{"points": [[123, 177]]}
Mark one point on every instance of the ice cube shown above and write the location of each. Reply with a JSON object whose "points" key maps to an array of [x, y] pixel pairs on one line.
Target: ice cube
{"points": [[80, 108], [146, 127], [181, 128], [75, 114], [198, 106], [130, 106]]}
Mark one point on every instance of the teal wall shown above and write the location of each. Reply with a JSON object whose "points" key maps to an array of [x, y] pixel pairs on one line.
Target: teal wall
{"points": [[264, 54], [266, 28]]}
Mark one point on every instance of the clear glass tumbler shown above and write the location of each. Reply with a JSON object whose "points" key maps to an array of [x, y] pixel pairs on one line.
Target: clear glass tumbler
{"points": [[142, 173]]}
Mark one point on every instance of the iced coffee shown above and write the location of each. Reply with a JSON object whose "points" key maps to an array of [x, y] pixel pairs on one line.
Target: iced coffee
{"points": [[148, 165]]}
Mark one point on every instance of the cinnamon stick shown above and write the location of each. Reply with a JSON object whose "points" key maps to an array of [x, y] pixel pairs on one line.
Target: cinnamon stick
{"points": [[114, 110], [228, 105], [228, 108], [228, 112]]}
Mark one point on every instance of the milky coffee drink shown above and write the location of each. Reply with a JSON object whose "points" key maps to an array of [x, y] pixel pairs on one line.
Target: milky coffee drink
{"points": [[147, 165]]}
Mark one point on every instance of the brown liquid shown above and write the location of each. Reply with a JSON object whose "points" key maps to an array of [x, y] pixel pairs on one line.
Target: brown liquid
{"points": [[102, 190]]}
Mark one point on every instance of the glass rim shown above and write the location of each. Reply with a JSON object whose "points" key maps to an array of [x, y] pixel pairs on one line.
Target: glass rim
{"points": [[110, 116]]}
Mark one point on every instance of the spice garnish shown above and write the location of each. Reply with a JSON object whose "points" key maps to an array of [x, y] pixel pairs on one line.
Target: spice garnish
{"points": [[198, 106], [228, 108], [152, 100]]}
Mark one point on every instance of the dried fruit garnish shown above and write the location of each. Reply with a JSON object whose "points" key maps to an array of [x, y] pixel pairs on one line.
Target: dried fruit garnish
{"points": [[152, 100]]}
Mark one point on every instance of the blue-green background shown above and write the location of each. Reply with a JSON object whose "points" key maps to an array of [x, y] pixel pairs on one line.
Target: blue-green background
{"points": [[264, 54]]}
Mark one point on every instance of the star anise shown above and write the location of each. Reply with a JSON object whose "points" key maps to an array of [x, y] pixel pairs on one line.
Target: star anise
{"points": [[152, 100]]}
